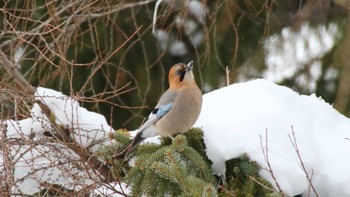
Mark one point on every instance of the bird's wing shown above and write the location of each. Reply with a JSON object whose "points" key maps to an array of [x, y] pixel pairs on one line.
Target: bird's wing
{"points": [[163, 106], [168, 97], [157, 114]]}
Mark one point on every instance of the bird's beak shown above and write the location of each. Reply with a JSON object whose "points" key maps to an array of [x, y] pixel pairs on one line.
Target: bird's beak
{"points": [[189, 66]]}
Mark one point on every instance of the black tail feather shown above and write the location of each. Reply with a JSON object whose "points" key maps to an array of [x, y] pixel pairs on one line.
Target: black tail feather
{"points": [[129, 147]]}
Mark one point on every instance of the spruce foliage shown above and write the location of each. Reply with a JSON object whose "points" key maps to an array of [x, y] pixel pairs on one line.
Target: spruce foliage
{"points": [[180, 167], [174, 169], [244, 180]]}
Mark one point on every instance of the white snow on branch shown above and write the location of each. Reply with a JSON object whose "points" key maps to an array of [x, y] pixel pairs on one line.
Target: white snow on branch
{"points": [[86, 127], [40, 159]]}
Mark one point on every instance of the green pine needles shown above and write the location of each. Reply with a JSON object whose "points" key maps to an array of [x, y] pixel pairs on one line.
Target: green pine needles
{"points": [[174, 169], [244, 180], [180, 167]]}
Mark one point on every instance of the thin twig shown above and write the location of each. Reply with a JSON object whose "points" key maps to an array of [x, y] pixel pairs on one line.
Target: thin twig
{"points": [[261, 184], [155, 13], [11, 69], [227, 76], [293, 140], [265, 150], [84, 154], [107, 58]]}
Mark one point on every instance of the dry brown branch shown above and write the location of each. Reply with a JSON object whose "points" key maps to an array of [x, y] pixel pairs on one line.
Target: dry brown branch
{"points": [[293, 140], [265, 150], [261, 184], [11, 69], [107, 58], [84, 154], [7, 175]]}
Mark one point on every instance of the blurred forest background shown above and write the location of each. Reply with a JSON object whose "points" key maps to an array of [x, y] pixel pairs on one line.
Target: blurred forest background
{"points": [[109, 56]]}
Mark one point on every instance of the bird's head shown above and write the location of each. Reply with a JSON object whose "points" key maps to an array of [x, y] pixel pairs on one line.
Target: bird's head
{"points": [[181, 74]]}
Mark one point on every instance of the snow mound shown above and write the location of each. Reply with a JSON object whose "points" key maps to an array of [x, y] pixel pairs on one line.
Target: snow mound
{"points": [[87, 126], [264, 120], [46, 161]]}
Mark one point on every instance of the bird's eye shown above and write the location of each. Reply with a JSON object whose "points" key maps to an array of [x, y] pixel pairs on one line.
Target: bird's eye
{"points": [[178, 72]]}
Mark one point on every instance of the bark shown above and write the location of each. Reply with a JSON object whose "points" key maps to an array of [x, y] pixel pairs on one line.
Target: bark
{"points": [[343, 94]]}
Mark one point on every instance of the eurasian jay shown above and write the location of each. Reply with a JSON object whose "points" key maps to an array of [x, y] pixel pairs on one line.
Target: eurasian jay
{"points": [[176, 111]]}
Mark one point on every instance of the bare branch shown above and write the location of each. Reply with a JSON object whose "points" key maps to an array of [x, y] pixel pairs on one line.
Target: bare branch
{"points": [[109, 56], [265, 150], [11, 69], [5, 187], [85, 155], [293, 140]]}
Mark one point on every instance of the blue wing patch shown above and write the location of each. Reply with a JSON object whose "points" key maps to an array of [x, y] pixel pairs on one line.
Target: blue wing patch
{"points": [[161, 111], [156, 114]]}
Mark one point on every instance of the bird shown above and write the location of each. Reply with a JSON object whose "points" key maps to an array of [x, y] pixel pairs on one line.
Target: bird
{"points": [[176, 111]]}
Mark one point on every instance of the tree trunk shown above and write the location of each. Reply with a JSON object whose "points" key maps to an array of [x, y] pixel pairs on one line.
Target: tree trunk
{"points": [[343, 93]]}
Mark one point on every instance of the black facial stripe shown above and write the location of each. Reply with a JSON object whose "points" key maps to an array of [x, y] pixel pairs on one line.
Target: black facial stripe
{"points": [[180, 72], [182, 75]]}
